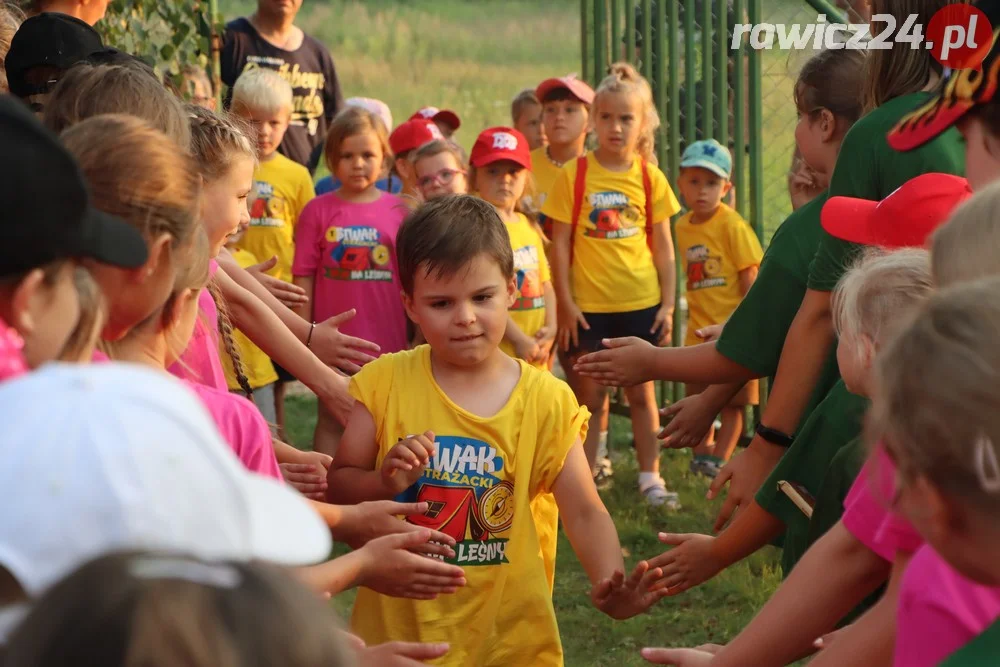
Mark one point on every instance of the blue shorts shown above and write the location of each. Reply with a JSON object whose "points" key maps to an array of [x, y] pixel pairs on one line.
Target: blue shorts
{"points": [[635, 323]]}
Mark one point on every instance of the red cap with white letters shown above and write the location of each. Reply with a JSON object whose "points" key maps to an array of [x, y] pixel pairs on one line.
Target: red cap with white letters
{"points": [[501, 143]]}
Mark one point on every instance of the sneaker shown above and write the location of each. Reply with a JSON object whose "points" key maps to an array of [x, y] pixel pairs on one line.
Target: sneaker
{"points": [[603, 473], [706, 464], [657, 495]]}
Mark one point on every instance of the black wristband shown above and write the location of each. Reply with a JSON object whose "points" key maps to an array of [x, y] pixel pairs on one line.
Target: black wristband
{"points": [[774, 436]]}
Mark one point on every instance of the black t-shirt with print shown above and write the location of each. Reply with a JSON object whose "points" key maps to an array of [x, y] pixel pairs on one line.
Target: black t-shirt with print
{"points": [[310, 71]]}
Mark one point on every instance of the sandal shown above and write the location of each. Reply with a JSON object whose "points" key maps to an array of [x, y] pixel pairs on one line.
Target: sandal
{"points": [[657, 495]]}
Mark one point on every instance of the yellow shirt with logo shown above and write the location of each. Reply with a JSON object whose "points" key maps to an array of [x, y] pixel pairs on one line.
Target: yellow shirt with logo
{"points": [[613, 270], [713, 254], [257, 365], [532, 271], [545, 173], [282, 188], [480, 484]]}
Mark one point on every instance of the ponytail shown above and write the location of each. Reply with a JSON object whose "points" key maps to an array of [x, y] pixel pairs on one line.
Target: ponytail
{"points": [[623, 78]]}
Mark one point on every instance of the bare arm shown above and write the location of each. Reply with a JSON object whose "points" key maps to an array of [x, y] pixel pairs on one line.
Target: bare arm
{"points": [[265, 329], [747, 276], [353, 477], [834, 575], [663, 259], [569, 317], [630, 361], [308, 285]]}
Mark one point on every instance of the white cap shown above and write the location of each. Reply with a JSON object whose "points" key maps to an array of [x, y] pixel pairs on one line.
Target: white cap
{"points": [[115, 457], [377, 107]]}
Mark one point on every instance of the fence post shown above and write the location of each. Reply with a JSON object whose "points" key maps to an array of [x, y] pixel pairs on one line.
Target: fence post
{"points": [[739, 130], [647, 40], [584, 39], [600, 38], [756, 129], [630, 29], [616, 30], [707, 63], [722, 83], [690, 89], [215, 46]]}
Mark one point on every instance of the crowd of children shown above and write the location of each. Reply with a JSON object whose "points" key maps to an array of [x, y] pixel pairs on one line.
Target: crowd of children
{"points": [[460, 319]]}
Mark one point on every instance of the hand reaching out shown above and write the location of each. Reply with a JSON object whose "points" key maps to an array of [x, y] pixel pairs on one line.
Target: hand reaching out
{"points": [[691, 562], [663, 324], [546, 338], [392, 568], [527, 348], [745, 473], [624, 363], [339, 350], [368, 521], [622, 598], [400, 654], [688, 421], [405, 462], [290, 295]]}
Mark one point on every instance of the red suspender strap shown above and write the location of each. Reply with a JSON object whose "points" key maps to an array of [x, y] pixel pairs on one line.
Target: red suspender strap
{"points": [[647, 188], [579, 190]]}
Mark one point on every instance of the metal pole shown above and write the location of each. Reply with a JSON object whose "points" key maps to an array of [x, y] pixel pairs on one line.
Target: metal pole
{"points": [[616, 30], [215, 42], [674, 154], [707, 63], [756, 131], [690, 87], [630, 32], [739, 126], [600, 39], [722, 80], [647, 40], [584, 38]]}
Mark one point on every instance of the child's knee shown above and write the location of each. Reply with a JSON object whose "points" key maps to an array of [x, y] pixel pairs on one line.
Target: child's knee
{"points": [[642, 396]]}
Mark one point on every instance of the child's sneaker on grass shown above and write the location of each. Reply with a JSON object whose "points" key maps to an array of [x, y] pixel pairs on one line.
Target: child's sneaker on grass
{"points": [[657, 495], [706, 464]]}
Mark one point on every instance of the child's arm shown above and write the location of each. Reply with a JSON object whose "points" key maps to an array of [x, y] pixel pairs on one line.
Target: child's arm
{"points": [[353, 477], [747, 276], [595, 540], [697, 558], [267, 332], [290, 296], [631, 361], [308, 285], [869, 641], [691, 417], [802, 357], [834, 575], [525, 347], [306, 471], [663, 258], [569, 315], [332, 347], [547, 334]]}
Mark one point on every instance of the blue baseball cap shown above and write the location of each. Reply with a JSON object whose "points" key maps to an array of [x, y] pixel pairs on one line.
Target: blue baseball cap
{"points": [[709, 154]]}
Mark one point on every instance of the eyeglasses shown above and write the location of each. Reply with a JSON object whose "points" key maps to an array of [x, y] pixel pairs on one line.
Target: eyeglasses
{"points": [[443, 177]]}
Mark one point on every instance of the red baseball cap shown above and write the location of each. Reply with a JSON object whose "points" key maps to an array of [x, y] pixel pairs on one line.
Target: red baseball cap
{"points": [[904, 219], [578, 88], [413, 134], [500, 143], [444, 115]]}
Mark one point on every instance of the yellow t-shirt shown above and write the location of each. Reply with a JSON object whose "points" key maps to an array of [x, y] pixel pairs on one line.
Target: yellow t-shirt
{"points": [[480, 485], [532, 271], [282, 188], [613, 270], [257, 365], [714, 252], [545, 173]]}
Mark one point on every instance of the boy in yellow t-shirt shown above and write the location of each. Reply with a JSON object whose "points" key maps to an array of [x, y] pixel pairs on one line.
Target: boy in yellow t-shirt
{"points": [[721, 256], [477, 435], [256, 365], [282, 188]]}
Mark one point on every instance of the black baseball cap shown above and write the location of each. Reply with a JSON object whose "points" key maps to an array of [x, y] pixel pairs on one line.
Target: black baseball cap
{"points": [[963, 90], [49, 39], [46, 214]]}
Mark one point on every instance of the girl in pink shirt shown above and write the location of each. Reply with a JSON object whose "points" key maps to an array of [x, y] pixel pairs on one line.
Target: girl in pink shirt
{"points": [[345, 245]]}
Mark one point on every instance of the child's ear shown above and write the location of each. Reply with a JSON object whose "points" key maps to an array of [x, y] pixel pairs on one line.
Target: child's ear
{"points": [[22, 300], [408, 306], [938, 517], [827, 125], [511, 291], [726, 187], [160, 251]]}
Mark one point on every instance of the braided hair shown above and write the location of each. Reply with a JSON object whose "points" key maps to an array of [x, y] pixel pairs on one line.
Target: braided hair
{"points": [[226, 332]]}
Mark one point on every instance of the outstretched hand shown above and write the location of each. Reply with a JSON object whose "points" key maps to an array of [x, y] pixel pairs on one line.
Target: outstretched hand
{"points": [[392, 568], [371, 520], [622, 598], [288, 294], [339, 350], [625, 362]]}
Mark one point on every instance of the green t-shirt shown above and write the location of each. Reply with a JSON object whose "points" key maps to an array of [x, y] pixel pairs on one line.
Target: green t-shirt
{"points": [[868, 168], [983, 651], [756, 331], [834, 423]]}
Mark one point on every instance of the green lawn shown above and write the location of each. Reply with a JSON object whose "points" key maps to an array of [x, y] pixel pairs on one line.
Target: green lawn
{"points": [[713, 612]]}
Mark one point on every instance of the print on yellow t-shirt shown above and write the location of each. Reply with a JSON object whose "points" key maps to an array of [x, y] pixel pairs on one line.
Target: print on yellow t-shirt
{"points": [[480, 485], [713, 254], [545, 172], [282, 188], [613, 269], [531, 269]]}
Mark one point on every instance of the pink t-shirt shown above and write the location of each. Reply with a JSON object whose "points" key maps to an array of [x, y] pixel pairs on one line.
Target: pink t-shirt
{"points": [[350, 250], [12, 361], [242, 426], [200, 361], [867, 515], [939, 611]]}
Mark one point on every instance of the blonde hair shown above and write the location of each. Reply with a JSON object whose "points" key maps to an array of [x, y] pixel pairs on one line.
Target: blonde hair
{"points": [[879, 290], [86, 91], [261, 89], [900, 70], [160, 610], [938, 387], [965, 248], [137, 173], [623, 78], [438, 146], [93, 311], [349, 122], [10, 21], [218, 140], [522, 101]]}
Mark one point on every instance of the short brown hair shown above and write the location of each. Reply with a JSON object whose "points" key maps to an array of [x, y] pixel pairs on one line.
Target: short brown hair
{"points": [[445, 234], [524, 99], [86, 91], [350, 121]]}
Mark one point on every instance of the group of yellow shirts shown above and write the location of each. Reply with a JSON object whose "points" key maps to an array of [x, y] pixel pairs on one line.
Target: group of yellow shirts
{"points": [[282, 188]]}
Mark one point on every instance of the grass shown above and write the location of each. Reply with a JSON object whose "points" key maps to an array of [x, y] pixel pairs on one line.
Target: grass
{"points": [[713, 612]]}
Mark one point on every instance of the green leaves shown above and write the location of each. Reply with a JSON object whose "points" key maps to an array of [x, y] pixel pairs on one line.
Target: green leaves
{"points": [[167, 34]]}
